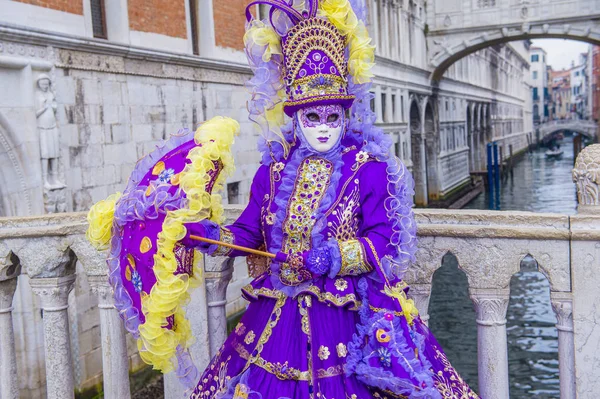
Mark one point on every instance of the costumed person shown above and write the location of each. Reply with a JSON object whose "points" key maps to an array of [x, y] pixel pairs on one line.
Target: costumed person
{"points": [[330, 210], [328, 317]]}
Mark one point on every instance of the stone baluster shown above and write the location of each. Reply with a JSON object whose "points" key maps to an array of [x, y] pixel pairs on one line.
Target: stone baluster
{"points": [[491, 306], [218, 272], [585, 258], [562, 304], [54, 295], [9, 271], [421, 293], [115, 361]]}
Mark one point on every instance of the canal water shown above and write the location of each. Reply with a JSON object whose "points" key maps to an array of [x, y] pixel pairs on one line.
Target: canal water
{"points": [[537, 185]]}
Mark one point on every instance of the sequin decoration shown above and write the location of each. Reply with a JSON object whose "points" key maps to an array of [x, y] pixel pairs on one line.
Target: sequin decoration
{"points": [[341, 284], [185, 260], [250, 337], [158, 168], [345, 222], [225, 235], [324, 352], [341, 350], [353, 258], [145, 245], [240, 329], [314, 176]]}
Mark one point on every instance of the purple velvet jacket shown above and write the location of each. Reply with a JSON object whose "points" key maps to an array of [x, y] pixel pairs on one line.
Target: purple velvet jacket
{"points": [[339, 202]]}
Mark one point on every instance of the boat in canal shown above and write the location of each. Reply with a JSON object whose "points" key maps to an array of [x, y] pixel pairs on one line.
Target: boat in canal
{"points": [[554, 153]]}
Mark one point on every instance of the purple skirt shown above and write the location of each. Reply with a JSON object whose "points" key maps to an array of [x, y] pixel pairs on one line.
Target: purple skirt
{"points": [[328, 346]]}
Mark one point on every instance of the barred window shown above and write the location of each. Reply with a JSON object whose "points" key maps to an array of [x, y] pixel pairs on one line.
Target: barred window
{"points": [[98, 19]]}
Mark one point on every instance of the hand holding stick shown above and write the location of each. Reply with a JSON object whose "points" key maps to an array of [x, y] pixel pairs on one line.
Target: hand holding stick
{"points": [[233, 246]]}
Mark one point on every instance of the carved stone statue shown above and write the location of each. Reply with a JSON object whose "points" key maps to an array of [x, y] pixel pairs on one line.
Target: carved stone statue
{"points": [[49, 134], [586, 175]]}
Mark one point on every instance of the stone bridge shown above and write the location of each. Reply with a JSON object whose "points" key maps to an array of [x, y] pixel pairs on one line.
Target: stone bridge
{"points": [[489, 247], [584, 127], [457, 28]]}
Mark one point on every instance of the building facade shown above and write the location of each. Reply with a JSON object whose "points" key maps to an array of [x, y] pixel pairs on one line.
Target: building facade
{"points": [[539, 85], [90, 86], [596, 83]]}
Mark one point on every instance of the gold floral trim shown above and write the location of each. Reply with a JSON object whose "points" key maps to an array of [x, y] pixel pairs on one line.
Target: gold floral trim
{"points": [[341, 349], [335, 299], [453, 386], [324, 352], [372, 248], [310, 187], [314, 99], [225, 235], [353, 258], [321, 296], [268, 331], [345, 186], [285, 372]]}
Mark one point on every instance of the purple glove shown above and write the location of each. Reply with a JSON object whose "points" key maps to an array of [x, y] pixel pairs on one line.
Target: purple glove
{"points": [[325, 260], [204, 228], [318, 260]]}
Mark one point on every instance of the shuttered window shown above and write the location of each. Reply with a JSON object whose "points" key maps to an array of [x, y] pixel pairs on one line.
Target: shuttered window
{"points": [[98, 19]]}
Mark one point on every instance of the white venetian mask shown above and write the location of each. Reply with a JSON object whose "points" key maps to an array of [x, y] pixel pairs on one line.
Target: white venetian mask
{"points": [[322, 126]]}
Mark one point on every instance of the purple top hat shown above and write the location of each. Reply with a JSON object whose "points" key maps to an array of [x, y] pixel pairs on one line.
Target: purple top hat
{"points": [[314, 59]]}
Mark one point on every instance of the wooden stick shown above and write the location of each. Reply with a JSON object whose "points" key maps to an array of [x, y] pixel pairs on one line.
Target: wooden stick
{"points": [[233, 246]]}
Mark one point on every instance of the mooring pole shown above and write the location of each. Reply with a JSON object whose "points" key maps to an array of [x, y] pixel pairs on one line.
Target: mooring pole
{"points": [[490, 175], [497, 176]]}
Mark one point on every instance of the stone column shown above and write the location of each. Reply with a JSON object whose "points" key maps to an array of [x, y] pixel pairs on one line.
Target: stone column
{"points": [[54, 294], [492, 354], [378, 105], [421, 294], [389, 109], [562, 304], [585, 258], [9, 384], [384, 38], [218, 272], [115, 362]]}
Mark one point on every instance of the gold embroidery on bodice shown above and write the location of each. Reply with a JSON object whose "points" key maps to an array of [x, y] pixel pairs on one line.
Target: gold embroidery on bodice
{"points": [[312, 181], [345, 222], [314, 176]]}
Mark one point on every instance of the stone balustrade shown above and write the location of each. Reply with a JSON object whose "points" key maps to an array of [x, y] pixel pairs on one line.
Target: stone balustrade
{"points": [[489, 247]]}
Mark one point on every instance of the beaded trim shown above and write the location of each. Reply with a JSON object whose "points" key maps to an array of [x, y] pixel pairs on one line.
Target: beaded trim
{"points": [[225, 235], [323, 297], [317, 85], [319, 98], [353, 258], [313, 34], [311, 184]]}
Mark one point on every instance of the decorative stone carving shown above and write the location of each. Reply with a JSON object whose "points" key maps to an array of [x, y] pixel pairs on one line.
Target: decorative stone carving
{"points": [[491, 307], [46, 106], [54, 297], [586, 176]]}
